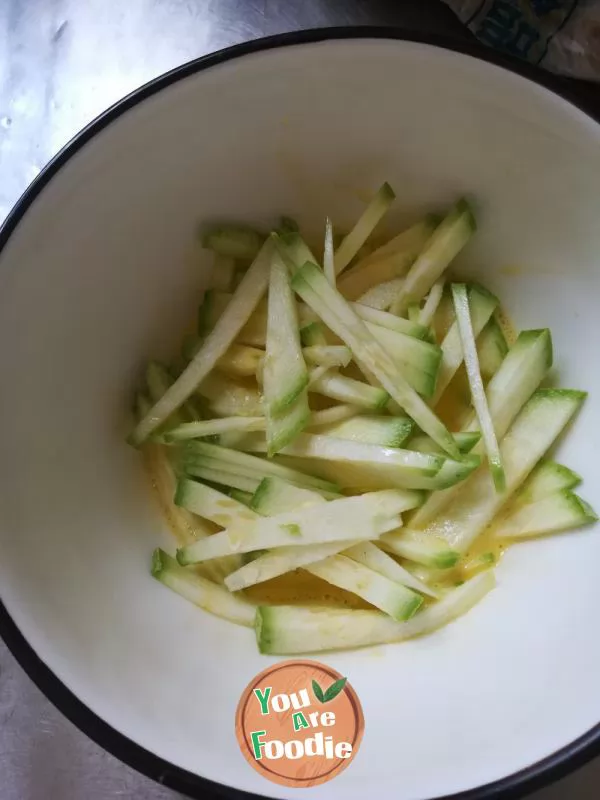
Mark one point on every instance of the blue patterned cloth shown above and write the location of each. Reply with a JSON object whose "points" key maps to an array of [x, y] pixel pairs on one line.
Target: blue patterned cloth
{"points": [[561, 35]]}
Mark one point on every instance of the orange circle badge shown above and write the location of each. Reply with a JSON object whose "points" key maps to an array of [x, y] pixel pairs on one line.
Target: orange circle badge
{"points": [[299, 723]]}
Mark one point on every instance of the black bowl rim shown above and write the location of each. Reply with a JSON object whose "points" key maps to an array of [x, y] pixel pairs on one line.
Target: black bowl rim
{"points": [[527, 780]]}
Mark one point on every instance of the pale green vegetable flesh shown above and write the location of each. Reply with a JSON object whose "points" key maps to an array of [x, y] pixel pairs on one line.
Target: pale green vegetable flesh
{"points": [[241, 306], [511, 387], [556, 512], [313, 334], [398, 601], [342, 450], [413, 312], [385, 431], [532, 433], [142, 404], [327, 355], [548, 477], [333, 415], [381, 296], [408, 350], [328, 254], [520, 373], [233, 241], [417, 361], [280, 561], [492, 347], [386, 320], [253, 333], [283, 428], [434, 298], [285, 372], [466, 442], [445, 243], [241, 497], [355, 477], [424, 548], [227, 397], [352, 243], [312, 286], [240, 360], [394, 467], [252, 466], [482, 305], [213, 427], [285, 375], [386, 263], [200, 591], [212, 471], [315, 441], [211, 504], [462, 312], [158, 381], [294, 249], [289, 630], [347, 390], [369, 554], [276, 496], [413, 238], [364, 517]]}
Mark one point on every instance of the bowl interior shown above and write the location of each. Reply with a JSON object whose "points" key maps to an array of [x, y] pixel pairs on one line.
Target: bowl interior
{"points": [[103, 272]]}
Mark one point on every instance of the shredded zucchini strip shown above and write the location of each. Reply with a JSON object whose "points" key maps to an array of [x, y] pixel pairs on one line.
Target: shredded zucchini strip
{"points": [[463, 318]]}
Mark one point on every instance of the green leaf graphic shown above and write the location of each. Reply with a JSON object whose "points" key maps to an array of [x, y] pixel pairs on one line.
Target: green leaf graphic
{"points": [[318, 692], [334, 690]]}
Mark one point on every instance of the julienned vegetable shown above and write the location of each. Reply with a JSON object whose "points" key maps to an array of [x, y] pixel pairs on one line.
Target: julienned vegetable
{"points": [[348, 443], [466, 333], [285, 374], [288, 630]]}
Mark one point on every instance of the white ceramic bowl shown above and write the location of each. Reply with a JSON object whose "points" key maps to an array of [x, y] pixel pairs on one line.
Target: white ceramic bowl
{"points": [[97, 275]]}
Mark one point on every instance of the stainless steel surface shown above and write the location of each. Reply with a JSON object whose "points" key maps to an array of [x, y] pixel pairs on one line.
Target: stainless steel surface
{"points": [[61, 63]]}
